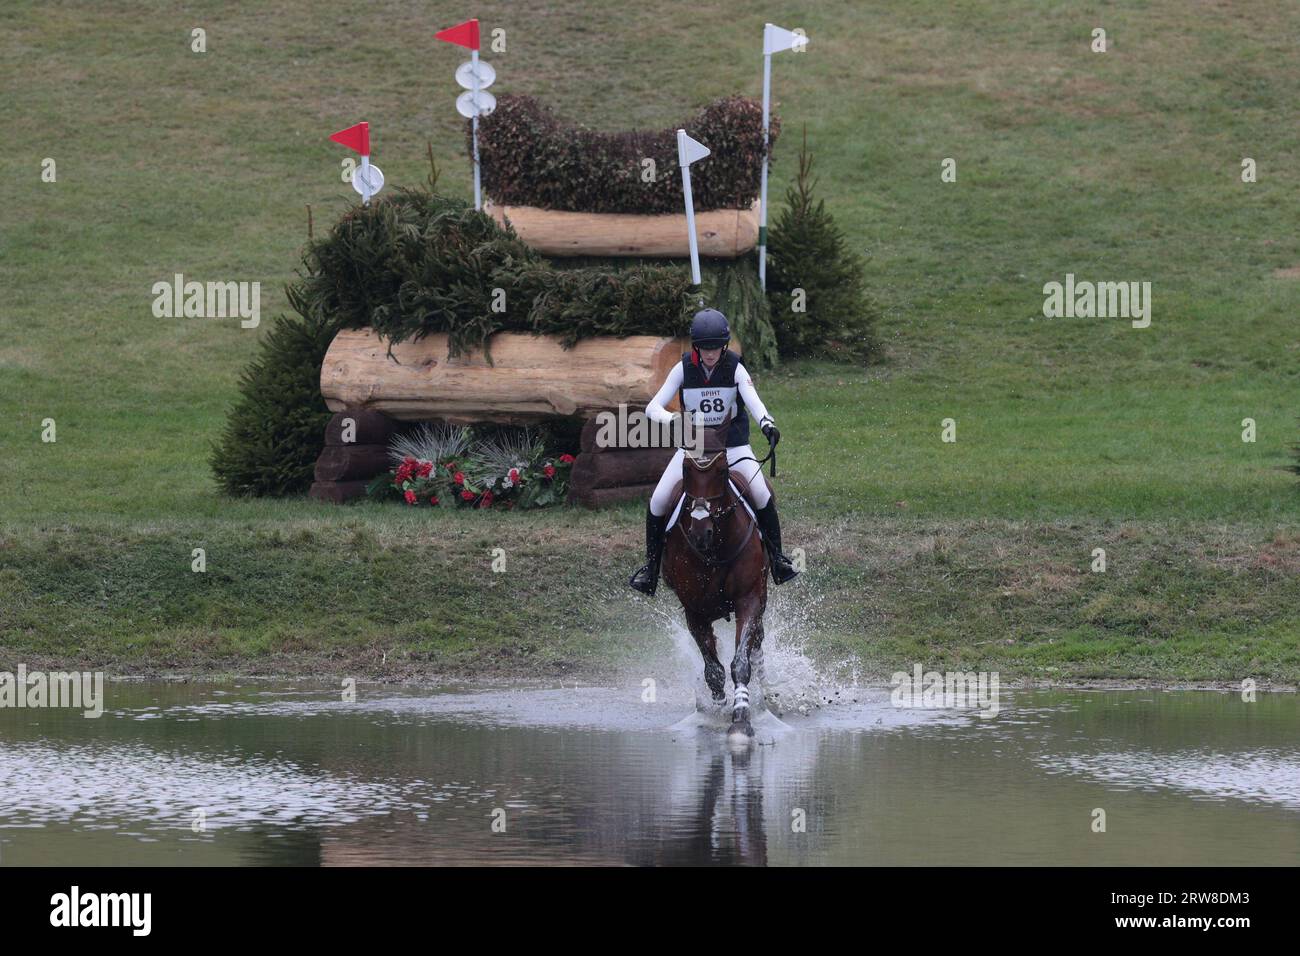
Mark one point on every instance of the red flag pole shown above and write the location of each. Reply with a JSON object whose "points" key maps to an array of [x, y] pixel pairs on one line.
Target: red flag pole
{"points": [[478, 193], [357, 138], [365, 164], [466, 35]]}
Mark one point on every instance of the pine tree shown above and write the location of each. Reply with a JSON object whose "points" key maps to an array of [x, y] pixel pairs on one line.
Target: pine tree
{"points": [[808, 251], [731, 286], [276, 431]]}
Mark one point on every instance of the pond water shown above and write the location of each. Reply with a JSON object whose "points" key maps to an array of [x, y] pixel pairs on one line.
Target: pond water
{"points": [[290, 773]]}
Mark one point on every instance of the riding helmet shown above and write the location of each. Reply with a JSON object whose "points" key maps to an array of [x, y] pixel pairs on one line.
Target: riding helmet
{"points": [[709, 330]]}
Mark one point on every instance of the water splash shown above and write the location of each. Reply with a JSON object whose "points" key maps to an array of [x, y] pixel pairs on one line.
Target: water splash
{"points": [[790, 680]]}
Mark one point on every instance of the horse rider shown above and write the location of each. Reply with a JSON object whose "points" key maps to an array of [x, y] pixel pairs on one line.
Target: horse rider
{"points": [[707, 381]]}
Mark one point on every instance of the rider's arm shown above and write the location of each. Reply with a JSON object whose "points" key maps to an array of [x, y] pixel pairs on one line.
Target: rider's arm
{"points": [[655, 410], [752, 402]]}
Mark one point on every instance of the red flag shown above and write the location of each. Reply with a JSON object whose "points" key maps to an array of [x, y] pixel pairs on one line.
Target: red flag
{"points": [[463, 34], [355, 137]]}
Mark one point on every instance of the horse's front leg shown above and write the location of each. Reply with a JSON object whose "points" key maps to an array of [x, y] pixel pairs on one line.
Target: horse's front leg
{"points": [[715, 676], [757, 667], [749, 622]]}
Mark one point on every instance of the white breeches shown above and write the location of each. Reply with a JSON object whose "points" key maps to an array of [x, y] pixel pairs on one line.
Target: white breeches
{"points": [[661, 501]]}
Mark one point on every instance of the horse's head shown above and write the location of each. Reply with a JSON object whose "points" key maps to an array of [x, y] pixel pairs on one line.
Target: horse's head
{"points": [[704, 482]]}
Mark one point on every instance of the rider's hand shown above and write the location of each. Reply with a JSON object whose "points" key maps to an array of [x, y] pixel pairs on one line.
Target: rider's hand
{"points": [[769, 430]]}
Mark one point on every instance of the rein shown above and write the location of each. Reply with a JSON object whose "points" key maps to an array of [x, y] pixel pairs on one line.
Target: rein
{"points": [[708, 560], [712, 562], [771, 453], [771, 448]]}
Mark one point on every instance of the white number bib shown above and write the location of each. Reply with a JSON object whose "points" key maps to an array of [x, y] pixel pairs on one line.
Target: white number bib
{"points": [[712, 404]]}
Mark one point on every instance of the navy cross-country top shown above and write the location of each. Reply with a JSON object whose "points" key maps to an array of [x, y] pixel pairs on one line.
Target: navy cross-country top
{"points": [[712, 395]]}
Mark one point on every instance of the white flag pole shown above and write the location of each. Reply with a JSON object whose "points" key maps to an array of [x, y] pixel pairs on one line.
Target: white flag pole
{"points": [[775, 40], [762, 199], [478, 194], [365, 180], [684, 160], [471, 103]]}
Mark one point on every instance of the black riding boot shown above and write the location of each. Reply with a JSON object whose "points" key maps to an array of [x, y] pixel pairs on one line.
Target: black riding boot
{"points": [[646, 580], [770, 525]]}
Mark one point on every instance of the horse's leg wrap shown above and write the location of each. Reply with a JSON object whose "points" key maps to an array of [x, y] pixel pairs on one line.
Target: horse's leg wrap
{"points": [[740, 703], [740, 678]]}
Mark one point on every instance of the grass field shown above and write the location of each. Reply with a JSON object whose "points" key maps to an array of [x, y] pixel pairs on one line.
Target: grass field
{"points": [[1071, 433]]}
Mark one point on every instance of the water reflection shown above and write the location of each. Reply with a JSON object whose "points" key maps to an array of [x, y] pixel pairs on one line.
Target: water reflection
{"points": [[290, 774]]}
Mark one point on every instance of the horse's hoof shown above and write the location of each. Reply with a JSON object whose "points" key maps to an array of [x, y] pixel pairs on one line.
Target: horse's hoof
{"points": [[740, 732]]}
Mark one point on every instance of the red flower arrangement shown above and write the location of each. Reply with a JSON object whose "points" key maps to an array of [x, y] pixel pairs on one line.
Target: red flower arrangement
{"points": [[530, 484]]}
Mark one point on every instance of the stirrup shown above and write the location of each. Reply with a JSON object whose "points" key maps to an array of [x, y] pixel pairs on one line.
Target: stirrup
{"points": [[645, 580], [782, 569]]}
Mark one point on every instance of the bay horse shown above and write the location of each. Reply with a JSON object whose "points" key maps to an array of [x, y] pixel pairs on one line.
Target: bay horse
{"points": [[716, 564]]}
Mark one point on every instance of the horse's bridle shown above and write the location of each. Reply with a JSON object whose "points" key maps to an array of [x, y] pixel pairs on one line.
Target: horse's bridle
{"points": [[716, 518]]}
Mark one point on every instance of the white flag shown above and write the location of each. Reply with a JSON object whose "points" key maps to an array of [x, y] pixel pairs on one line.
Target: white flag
{"points": [[689, 151], [777, 40]]}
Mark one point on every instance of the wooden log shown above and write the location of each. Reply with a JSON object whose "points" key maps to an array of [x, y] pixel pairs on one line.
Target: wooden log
{"points": [[591, 428], [632, 467], [337, 492], [532, 379], [368, 428], [587, 441], [604, 497], [720, 233], [352, 462]]}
